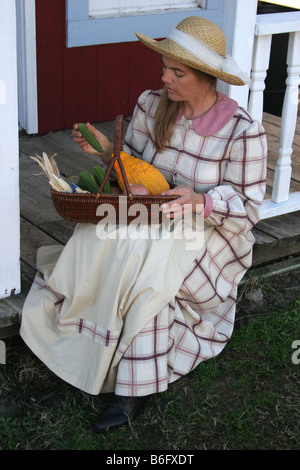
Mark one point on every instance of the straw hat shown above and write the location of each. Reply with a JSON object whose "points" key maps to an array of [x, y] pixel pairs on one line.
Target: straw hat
{"points": [[200, 44]]}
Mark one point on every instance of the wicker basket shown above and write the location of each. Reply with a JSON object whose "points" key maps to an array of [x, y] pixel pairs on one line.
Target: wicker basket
{"points": [[94, 208]]}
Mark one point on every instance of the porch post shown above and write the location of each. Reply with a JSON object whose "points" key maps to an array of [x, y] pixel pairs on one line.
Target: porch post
{"points": [[9, 153], [238, 25], [283, 170], [260, 64]]}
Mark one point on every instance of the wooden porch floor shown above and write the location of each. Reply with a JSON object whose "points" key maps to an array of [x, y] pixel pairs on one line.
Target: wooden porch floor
{"points": [[276, 238]]}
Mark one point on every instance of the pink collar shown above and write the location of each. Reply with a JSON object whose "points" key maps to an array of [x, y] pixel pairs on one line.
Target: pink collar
{"points": [[216, 117]]}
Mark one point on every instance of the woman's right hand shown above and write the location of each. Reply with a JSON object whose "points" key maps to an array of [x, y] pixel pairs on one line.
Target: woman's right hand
{"points": [[102, 139]]}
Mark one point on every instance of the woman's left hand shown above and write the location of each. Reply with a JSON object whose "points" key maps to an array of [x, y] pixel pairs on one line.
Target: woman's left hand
{"points": [[188, 201]]}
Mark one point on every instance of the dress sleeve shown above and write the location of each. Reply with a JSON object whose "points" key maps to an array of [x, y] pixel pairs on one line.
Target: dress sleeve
{"points": [[138, 134], [235, 204]]}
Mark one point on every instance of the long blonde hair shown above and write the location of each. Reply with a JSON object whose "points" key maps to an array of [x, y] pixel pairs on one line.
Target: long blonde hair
{"points": [[167, 111], [165, 116]]}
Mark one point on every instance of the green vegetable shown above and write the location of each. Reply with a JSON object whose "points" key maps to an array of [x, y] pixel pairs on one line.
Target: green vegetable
{"points": [[92, 182], [88, 182], [89, 137], [99, 174]]}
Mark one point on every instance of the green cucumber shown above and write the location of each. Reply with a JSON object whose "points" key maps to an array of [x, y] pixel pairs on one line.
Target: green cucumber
{"points": [[99, 174], [89, 137], [88, 182]]}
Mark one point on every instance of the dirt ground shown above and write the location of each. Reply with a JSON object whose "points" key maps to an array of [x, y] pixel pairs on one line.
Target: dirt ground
{"points": [[260, 296]]}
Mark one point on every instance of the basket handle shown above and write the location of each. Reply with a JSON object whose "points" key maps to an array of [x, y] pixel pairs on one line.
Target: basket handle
{"points": [[118, 144]]}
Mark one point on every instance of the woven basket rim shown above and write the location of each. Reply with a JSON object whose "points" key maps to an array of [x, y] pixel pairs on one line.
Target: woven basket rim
{"points": [[154, 197]]}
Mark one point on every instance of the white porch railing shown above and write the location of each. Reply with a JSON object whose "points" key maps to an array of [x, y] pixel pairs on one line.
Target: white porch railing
{"points": [[282, 201]]}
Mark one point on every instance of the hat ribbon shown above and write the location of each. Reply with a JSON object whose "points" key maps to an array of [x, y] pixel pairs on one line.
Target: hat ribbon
{"points": [[207, 55]]}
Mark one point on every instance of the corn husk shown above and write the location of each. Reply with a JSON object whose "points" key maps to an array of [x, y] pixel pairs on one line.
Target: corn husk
{"points": [[59, 184], [49, 167], [48, 164]]}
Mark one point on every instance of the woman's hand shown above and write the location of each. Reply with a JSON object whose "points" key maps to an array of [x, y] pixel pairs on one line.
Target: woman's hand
{"points": [[102, 139], [188, 201]]}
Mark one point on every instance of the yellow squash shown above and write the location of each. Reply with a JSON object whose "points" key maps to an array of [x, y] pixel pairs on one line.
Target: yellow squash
{"points": [[141, 172]]}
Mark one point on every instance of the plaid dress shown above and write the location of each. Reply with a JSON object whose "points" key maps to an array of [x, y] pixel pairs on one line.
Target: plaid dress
{"points": [[135, 324], [228, 164]]}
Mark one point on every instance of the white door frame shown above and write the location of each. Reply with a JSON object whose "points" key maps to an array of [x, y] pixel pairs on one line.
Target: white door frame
{"points": [[9, 155], [27, 70]]}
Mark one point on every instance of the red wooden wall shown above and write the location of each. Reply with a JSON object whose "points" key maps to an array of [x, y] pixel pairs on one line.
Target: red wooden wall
{"points": [[92, 83]]}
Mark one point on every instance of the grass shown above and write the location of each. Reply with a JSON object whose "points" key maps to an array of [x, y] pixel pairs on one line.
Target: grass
{"points": [[246, 398]]}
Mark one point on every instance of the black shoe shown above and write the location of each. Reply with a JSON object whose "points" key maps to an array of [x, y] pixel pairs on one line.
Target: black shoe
{"points": [[121, 411]]}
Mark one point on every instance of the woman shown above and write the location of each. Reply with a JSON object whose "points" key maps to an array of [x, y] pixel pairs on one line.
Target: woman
{"points": [[159, 324]]}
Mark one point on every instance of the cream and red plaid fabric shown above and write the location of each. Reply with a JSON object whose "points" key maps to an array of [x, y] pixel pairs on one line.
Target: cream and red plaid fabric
{"points": [[231, 167]]}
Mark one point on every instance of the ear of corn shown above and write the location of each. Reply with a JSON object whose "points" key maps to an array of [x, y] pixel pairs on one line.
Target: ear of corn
{"points": [[58, 184], [89, 137], [140, 172]]}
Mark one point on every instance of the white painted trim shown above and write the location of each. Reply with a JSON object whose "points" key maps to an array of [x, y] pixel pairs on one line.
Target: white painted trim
{"points": [[98, 8], [273, 209], [260, 64], [283, 169], [238, 25], [85, 31], [27, 69], [9, 153], [276, 23]]}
